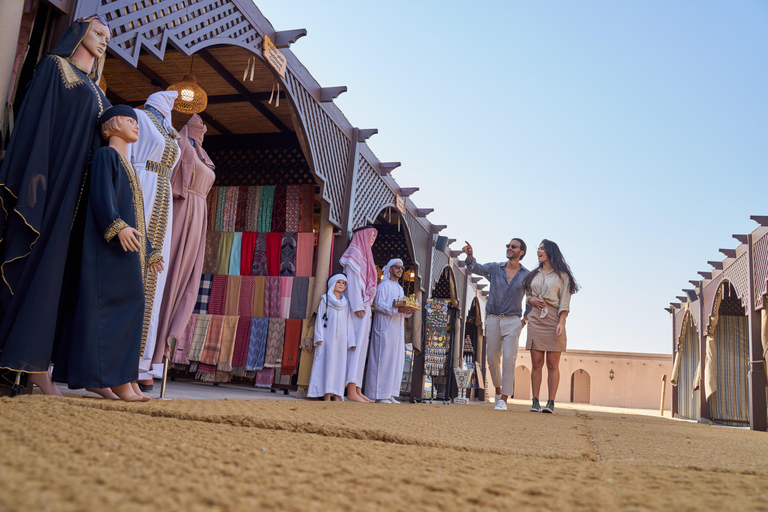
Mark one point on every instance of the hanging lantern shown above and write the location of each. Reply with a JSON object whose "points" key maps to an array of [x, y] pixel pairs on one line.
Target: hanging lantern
{"points": [[192, 98]]}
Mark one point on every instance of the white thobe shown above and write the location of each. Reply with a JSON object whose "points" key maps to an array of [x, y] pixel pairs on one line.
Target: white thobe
{"points": [[329, 365], [150, 147], [356, 358], [387, 358]]}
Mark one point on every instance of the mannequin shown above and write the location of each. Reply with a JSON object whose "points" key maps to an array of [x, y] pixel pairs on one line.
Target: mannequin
{"points": [[102, 341], [42, 190], [361, 289], [154, 156], [191, 180]]}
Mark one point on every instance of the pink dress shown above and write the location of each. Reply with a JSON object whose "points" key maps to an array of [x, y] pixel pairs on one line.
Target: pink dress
{"points": [[192, 178]]}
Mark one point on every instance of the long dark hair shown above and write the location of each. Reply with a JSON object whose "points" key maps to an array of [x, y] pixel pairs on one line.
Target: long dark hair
{"points": [[558, 263]]}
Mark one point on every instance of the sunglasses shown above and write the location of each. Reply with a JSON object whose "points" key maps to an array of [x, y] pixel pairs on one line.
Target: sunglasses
{"points": [[99, 17], [512, 246], [396, 266]]}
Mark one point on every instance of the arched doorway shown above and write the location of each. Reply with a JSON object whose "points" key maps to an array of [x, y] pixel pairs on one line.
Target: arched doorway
{"points": [[522, 383], [687, 398], [729, 330], [580, 387]]}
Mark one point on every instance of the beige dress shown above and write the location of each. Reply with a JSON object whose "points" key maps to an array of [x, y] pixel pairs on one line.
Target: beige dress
{"points": [[554, 290]]}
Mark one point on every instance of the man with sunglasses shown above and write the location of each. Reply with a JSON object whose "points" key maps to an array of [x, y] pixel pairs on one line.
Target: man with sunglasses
{"points": [[505, 317], [387, 357]]}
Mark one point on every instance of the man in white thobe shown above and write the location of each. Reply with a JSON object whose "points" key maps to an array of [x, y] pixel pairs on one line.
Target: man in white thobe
{"points": [[387, 356]]}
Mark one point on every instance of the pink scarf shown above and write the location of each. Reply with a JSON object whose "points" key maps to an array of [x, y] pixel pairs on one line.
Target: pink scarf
{"points": [[358, 258]]}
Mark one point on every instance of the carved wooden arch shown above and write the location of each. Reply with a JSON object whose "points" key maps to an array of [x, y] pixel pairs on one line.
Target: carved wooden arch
{"points": [[421, 240], [711, 314], [688, 319], [371, 194], [679, 318], [440, 260], [461, 290], [760, 259]]}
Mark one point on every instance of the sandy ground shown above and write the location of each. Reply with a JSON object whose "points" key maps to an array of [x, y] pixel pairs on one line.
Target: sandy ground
{"points": [[93, 454]]}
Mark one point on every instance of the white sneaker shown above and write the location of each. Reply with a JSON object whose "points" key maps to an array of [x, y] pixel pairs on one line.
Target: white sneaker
{"points": [[384, 401], [394, 401], [500, 405]]}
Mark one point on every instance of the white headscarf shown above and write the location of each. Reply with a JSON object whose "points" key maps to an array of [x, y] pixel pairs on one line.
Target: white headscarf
{"points": [[163, 102], [330, 299], [386, 275]]}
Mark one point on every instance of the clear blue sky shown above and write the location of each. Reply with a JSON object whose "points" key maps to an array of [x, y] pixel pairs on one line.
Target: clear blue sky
{"points": [[633, 134]]}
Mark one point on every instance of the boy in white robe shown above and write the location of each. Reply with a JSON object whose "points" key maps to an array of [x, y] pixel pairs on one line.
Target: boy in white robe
{"points": [[387, 357], [334, 338]]}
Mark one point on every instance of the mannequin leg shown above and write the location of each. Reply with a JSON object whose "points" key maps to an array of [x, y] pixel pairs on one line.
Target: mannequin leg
{"points": [[44, 382], [361, 395], [125, 392], [352, 394], [104, 393]]}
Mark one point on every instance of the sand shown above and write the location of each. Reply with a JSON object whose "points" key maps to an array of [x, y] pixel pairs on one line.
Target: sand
{"points": [[94, 454]]}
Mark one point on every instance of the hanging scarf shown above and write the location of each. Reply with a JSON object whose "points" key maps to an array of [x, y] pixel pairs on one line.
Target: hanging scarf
{"points": [[218, 299], [266, 200], [252, 210], [305, 250], [288, 254], [241, 212], [358, 258], [307, 208], [278, 209], [247, 288], [242, 339], [211, 258], [198, 338], [290, 362], [203, 294], [259, 286], [220, 206], [259, 265], [274, 244], [211, 200], [232, 302], [292, 207], [275, 342], [257, 344]]}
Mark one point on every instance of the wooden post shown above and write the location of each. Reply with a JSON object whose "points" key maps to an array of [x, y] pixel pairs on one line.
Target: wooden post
{"points": [[758, 418], [663, 393]]}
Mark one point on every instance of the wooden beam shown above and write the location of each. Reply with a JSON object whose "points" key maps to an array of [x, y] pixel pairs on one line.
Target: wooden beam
{"points": [[455, 254], [285, 38], [741, 238], [387, 167], [705, 275], [423, 212], [328, 94], [242, 90], [365, 134], [729, 253], [760, 219], [716, 264], [436, 228], [405, 192]]}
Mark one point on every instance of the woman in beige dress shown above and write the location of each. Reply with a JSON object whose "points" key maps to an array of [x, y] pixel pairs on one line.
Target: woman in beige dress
{"points": [[548, 288]]}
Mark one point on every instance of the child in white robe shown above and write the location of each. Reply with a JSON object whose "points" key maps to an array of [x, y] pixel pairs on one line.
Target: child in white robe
{"points": [[334, 337]]}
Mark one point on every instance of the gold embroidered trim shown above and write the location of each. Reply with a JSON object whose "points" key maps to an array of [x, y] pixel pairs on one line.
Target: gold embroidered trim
{"points": [[2, 267], [68, 75], [158, 168], [116, 227], [172, 150], [138, 210], [155, 257]]}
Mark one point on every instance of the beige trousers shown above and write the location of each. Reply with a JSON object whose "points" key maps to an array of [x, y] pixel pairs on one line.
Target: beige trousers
{"points": [[502, 335]]}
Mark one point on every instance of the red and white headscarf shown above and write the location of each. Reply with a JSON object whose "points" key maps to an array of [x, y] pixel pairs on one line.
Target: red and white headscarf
{"points": [[358, 258]]}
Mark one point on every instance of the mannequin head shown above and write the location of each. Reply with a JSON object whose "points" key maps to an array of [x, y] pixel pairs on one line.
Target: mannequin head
{"points": [[123, 127], [120, 126], [93, 44]]}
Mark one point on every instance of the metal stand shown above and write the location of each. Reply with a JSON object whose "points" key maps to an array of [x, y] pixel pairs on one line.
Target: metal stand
{"points": [[16, 389], [165, 379]]}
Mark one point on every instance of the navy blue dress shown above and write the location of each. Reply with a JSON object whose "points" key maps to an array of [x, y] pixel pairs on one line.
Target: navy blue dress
{"points": [[101, 341], [42, 181]]}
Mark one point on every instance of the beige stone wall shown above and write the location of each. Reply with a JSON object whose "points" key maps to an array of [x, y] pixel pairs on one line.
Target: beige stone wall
{"points": [[636, 379]]}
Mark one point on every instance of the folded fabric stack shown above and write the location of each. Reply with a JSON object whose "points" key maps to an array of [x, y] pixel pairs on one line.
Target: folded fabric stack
{"points": [[256, 284]]}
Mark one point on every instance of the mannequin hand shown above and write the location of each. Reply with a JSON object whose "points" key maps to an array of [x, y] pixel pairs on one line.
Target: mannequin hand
{"points": [[360, 314], [34, 181], [523, 322], [406, 311], [539, 303], [317, 344], [467, 249], [352, 348], [560, 330], [128, 239], [158, 267]]}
